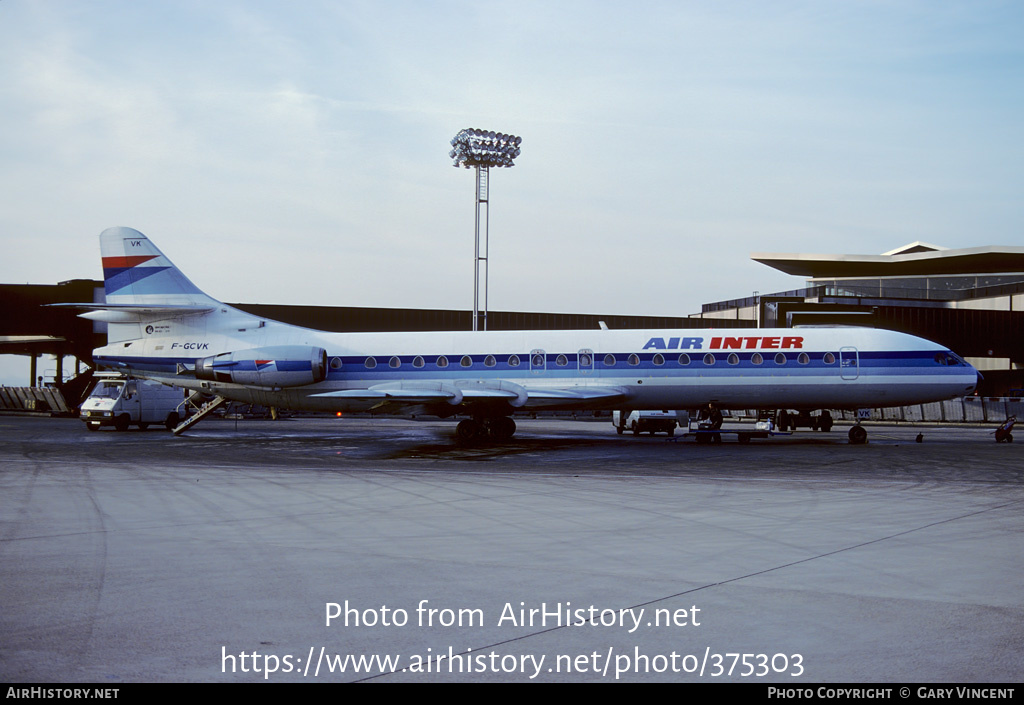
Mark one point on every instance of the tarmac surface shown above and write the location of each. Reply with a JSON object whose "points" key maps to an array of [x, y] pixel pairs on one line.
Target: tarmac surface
{"points": [[567, 554]]}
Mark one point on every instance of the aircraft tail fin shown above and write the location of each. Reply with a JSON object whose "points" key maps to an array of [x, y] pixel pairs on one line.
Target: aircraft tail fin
{"points": [[135, 272], [142, 287]]}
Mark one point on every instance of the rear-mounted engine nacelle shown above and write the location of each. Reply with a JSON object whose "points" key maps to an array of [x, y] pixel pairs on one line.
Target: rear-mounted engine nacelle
{"points": [[275, 366]]}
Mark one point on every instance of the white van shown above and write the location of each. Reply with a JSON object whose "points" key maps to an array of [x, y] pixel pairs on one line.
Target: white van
{"points": [[119, 402]]}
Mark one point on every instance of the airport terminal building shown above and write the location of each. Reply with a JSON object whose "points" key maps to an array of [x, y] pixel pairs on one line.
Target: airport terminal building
{"points": [[971, 300]]}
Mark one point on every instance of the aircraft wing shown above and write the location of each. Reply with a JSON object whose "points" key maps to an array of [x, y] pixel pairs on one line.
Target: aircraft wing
{"points": [[478, 393]]}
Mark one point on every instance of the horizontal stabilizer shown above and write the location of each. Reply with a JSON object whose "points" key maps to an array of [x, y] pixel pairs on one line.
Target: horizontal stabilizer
{"points": [[136, 313]]}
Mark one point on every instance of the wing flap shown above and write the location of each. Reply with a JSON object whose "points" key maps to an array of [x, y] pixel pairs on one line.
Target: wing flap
{"points": [[569, 395], [409, 396]]}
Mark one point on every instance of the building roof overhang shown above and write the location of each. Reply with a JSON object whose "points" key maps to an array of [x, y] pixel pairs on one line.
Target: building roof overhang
{"points": [[991, 259]]}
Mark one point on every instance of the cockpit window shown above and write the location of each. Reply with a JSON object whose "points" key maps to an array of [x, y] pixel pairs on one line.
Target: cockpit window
{"points": [[947, 358]]}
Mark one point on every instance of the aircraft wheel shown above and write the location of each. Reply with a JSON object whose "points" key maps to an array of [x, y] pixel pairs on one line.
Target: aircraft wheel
{"points": [[826, 427], [467, 430], [619, 430], [671, 432], [636, 429], [171, 421], [744, 438], [1009, 438], [143, 426], [121, 424], [502, 428], [858, 435], [93, 426]]}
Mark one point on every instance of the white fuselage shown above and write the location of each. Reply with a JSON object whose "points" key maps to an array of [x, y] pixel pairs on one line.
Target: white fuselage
{"points": [[672, 369]]}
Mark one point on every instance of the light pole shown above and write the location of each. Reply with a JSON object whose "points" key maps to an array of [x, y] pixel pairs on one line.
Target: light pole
{"points": [[482, 149]]}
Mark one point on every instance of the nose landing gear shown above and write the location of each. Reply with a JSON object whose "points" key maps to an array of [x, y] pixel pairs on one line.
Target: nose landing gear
{"points": [[858, 435]]}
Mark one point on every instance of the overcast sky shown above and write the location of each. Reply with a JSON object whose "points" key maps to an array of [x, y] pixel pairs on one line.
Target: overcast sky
{"points": [[296, 152]]}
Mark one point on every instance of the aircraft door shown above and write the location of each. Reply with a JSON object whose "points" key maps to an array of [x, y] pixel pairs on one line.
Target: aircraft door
{"points": [[586, 361], [538, 362], [849, 363]]}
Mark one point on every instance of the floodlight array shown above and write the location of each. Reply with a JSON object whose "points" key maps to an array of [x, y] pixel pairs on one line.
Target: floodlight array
{"points": [[472, 147]]}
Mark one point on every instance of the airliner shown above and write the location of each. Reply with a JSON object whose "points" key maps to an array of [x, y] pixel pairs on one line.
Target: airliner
{"points": [[162, 327]]}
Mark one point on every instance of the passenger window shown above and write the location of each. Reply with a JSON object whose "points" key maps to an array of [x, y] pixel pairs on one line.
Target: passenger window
{"points": [[561, 361], [780, 358], [634, 359], [609, 360], [803, 358], [489, 361], [370, 363], [709, 359], [417, 361], [684, 359], [394, 363], [734, 359], [442, 361], [829, 359], [466, 361], [335, 363], [513, 361], [659, 359], [756, 358]]}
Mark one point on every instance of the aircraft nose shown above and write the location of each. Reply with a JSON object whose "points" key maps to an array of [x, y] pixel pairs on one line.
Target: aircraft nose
{"points": [[977, 378]]}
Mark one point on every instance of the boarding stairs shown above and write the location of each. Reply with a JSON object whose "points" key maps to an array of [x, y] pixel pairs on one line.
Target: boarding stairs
{"points": [[201, 413]]}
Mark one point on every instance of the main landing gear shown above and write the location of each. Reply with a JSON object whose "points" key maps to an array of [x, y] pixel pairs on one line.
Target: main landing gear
{"points": [[498, 428]]}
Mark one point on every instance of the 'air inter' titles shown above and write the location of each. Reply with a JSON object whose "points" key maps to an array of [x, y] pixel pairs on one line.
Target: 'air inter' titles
{"points": [[745, 342]]}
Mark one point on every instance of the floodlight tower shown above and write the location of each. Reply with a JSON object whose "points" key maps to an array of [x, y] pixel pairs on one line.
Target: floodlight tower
{"points": [[482, 149]]}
